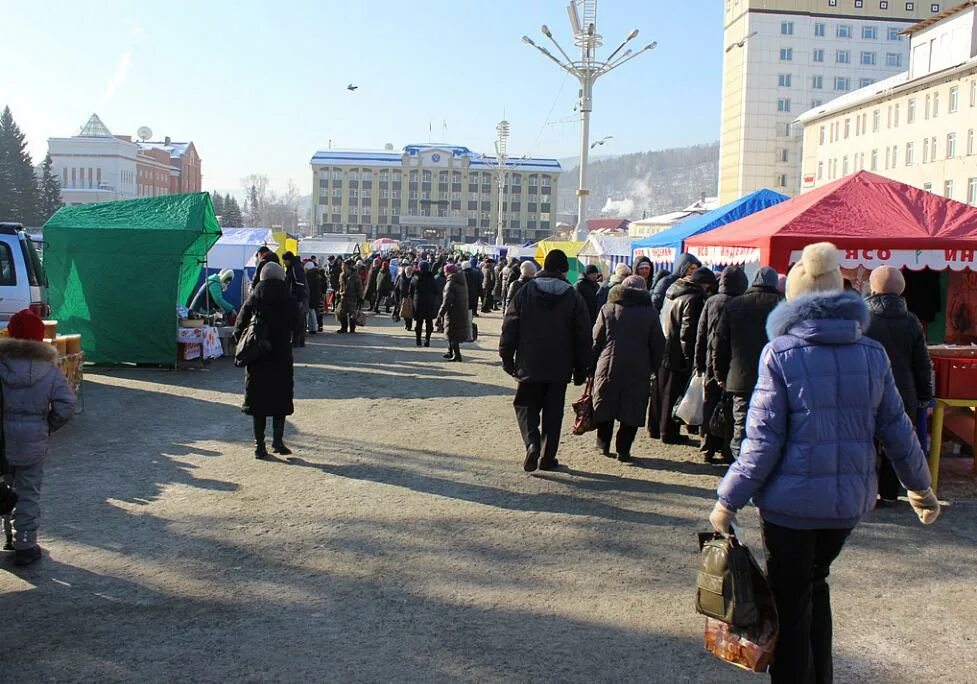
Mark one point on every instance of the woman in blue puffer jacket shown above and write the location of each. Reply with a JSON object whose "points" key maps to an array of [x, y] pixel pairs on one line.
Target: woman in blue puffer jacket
{"points": [[825, 394]]}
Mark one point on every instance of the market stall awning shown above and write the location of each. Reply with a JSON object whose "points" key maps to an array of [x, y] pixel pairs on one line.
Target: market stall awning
{"points": [[663, 247], [118, 270], [873, 220], [237, 247], [319, 247]]}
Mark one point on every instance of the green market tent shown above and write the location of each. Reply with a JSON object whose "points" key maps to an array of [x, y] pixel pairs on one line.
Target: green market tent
{"points": [[118, 270]]}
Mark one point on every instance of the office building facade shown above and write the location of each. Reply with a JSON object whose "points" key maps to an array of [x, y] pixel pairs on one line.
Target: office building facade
{"points": [[437, 193], [919, 127], [783, 57]]}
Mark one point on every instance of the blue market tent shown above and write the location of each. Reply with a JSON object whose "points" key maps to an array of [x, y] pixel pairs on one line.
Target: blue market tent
{"points": [[663, 247]]}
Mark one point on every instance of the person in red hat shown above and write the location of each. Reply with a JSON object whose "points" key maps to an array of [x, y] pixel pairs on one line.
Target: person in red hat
{"points": [[35, 400]]}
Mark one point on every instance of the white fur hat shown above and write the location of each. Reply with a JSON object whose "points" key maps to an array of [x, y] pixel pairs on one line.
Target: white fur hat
{"points": [[226, 276], [818, 270]]}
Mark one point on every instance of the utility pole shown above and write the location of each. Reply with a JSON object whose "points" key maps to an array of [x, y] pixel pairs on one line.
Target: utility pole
{"points": [[587, 69], [502, 174]]}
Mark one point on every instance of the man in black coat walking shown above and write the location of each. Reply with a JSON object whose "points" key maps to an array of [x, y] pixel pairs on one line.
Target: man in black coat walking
{"points": [[901, 333], [740, 337], [587, 287], [545, 340]]}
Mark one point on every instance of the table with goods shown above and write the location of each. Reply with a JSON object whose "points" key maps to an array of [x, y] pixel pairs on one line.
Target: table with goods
{"points": [[203, 338], [71, 359], [955, 375]]}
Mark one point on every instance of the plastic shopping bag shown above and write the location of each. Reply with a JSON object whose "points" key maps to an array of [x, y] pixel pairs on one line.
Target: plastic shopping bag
{"points": [[691, 406]]}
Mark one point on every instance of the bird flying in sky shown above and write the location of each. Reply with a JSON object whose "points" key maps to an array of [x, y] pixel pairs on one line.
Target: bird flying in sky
{"points": [[601, 141], [352, 88]]}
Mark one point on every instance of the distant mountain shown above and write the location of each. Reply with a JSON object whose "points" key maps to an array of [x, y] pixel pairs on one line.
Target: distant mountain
{"points": [[645, 183], [574, 162]]}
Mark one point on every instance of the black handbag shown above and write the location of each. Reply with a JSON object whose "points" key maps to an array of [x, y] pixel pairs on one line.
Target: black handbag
{"points": [[730, 586], [8, 497], [721, 420], [254, 343]]}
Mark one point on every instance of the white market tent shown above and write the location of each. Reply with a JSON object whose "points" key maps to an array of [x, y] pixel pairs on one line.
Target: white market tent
{"points": [[321, 247], [236, 250], [605, 252]]}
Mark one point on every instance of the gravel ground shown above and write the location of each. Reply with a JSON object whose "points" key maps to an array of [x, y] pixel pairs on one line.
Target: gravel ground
{"points": [[403, 542]]}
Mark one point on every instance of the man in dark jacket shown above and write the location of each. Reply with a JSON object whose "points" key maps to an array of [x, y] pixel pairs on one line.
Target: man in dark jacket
{"points": [[680, 323], [739, 339], [335, 273], [297, 285], [732, 283], [587, 287], [684, 265], [262, 257], [488, 285], [314, 277], [473, 279], [901, 333], [546, 339]]}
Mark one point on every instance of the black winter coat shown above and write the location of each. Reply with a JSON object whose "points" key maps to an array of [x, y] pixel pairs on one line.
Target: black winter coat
{"points": [[628, 346], [546, 333], [296, 282], [473, 279], [741, 336], [588, 290], [268, 385], [424, 293], [335, 271], [313, 279], [454, 308], [901, 333], [680, 323], [385, 283], [732, 283]]}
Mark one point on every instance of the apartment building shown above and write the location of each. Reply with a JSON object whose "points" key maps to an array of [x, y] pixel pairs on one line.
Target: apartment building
{"points": [[432, 192], [917, 127], [783, 57], [97, 166]]}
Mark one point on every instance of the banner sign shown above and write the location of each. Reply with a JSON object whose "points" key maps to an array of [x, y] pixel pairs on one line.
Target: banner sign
{"points": [[725, 256], [658, 255], [952, 258]]}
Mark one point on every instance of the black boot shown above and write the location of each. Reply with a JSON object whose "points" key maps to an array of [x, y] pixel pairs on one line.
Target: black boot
{"points": [[260, 451], [27, 556], [457, 352], [278, 438], [427, 340], [451, 353]]}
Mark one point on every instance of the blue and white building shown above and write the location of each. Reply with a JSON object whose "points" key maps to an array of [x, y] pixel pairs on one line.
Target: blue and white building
{"points": [[432, 192]]}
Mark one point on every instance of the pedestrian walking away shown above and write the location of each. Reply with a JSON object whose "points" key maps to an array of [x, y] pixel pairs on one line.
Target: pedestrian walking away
{"points": [[628, 346], [425, 297], [268, 384], [315, 279], [351, 297], [454, 309], [621, 271], [546, 340], [35, 400], [298, 287], [813, 480]]}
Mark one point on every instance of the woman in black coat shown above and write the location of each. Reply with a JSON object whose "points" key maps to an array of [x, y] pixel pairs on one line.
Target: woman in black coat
{"points": [[268, 384], [424, 294], [628, 345], [901, 333], [454, 308]]}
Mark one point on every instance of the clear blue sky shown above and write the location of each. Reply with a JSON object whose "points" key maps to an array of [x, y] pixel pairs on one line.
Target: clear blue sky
{"points": [[259, 86]]}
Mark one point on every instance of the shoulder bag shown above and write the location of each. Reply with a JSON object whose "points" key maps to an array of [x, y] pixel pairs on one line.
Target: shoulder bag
{"points": [[254, 343], [583, 408]]}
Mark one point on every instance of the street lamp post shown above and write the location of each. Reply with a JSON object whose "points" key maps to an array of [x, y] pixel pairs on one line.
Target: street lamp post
{"points": [[586, 70], [501, 158]]}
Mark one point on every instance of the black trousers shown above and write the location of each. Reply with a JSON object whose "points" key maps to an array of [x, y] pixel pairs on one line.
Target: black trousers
{"points": [[625, 436], [671, 386], [277, 428], [741, 407], [535, 401], [889, 485], [347, 322], [798, 563], [428, 323], [712, 444]]}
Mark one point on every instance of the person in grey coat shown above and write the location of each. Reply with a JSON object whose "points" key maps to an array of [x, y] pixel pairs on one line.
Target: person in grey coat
{"points": [[628, 346], [36, 401]]}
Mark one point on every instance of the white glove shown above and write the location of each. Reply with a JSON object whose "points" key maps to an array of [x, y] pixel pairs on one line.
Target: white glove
{"points": [[721, 518], [926, 505]]}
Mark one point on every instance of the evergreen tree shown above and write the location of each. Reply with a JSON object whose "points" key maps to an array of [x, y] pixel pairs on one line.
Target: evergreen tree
{"points": [[218, 201], [18, 185], [232, 213], [49, 190]]}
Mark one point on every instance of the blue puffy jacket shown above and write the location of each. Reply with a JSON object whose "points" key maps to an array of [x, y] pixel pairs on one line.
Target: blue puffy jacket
{"points": [[825, 394]]}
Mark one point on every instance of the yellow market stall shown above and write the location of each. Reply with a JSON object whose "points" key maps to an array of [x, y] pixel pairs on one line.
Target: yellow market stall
{"points": [[571, 249]]}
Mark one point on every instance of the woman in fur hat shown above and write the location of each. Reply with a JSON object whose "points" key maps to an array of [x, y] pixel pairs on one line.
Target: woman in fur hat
{"points": [[824, 396], [36, 401]]}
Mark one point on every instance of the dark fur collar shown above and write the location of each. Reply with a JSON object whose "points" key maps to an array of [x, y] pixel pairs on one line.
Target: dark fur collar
{"points": [[832, 306], [629, 296], [28, 350]]}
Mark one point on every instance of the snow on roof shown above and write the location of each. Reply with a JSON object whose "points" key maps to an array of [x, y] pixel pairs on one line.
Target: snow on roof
{"points": [[395, 158], [176, 149]]}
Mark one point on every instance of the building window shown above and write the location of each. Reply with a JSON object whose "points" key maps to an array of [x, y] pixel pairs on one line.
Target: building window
{"points": [[893, 59], [948, 189], [820, 170], [782, 180], [884, 4], [819, 30], [843, 57], [868, 59], [926, 152], [870, 33], [935, 7], [911, 111], [933, 148], [973, 93], [817, 82], [865, 82], [859, 4], [926, 112], [910, 6], [936, 105], [972, 191], [786, 54], [783, 80], [875, 160], [909, 154], [783, 104], [354, 175], [842, 84], [951, 145], [818, 55], [844, 165], [970, 141], [954, 99], [895, 156], [821, 136], [786, 28], [783, 155], [928, 187], [843, 31], [847, 128], [895, 116], [816, 103], [888, 157]]}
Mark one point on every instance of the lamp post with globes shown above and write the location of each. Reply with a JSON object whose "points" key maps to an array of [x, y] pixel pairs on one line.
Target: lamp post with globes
{"points": [[587, 69]]}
